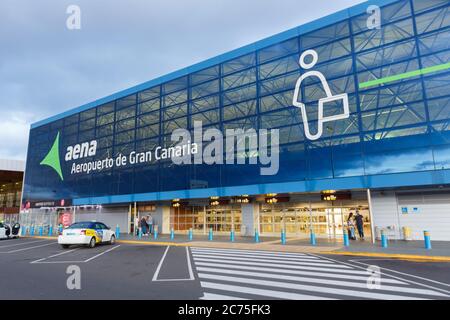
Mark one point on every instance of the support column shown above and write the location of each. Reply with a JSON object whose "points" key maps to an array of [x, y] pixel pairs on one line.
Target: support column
{"points": [[372, 227], [129, 220], [162, 218], [74, 214], [250, 219]]}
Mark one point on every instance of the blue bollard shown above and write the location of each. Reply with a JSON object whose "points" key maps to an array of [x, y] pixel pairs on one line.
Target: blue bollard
{"points": [[155, 233], [172, 234], [384, 240], [283, 237], [190, 234], [427, 239], [210, 234], [50, 230], [32, 231], [41, 231], [346, 239], [256, 236], [312, 239], [117, 232], [232, 236], [140, 234]]}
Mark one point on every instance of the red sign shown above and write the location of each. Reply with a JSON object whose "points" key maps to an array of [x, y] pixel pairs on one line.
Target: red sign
{"points": [[66, 219]]}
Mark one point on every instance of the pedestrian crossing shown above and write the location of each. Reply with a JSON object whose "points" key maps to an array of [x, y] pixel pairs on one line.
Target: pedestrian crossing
{"points": [[234, 274]]}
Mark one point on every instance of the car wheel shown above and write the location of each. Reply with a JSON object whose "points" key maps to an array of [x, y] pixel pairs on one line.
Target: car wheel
{"points": [[65, 246], [112, 240], [92, 243]]}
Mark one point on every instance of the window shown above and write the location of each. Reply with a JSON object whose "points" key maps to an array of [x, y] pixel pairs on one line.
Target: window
{"points": [[433, 20], [389, 33], [238, 64], [435, 42], [279, 50], [124, 137], [175, 98], [203, 104], [149, 94], [391, 95], [105, 130], [180, 123], [71, 120], [422, 5], [88, 124], [206, 117], [205, 75], [394, 117], [149, 118], [125, 124], [126, 113], [88, 114], [148, 131], [239, 79], [148, 106], [238, 95], [437, 86], [390, 13], [105, 119], [205, 89], [322, 36], [126, 101], [239, 110], [175, 112], [439, 109], [386, 55], [278, 67], [105, 108], [175, 85], [72, 129]]}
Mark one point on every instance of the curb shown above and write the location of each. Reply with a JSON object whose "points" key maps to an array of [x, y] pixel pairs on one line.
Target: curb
{"points": [[40, 237], [408, 257], [159, 243], [399, 256]]}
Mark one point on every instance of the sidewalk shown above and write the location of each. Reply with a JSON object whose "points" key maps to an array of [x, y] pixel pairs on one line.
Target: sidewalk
{"points": [[408, 250], [404, 250]]}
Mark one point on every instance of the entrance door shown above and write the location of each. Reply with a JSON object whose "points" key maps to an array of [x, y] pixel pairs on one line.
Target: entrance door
{"points": [[335, 222], [325, 219], [223, 220]]}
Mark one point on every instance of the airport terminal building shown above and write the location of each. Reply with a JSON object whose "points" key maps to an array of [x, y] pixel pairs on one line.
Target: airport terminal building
{"points": [[347, 113]]}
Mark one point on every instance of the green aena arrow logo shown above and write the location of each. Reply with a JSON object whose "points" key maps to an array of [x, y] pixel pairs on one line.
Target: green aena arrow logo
{"points": [[52, 158]]}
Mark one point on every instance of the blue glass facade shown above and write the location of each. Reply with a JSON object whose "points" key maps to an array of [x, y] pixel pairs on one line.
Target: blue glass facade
{"points": [[397, 133]]}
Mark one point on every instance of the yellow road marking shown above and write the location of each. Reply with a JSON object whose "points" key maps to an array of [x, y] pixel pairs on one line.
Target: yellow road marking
{"points": [[409, 257]]}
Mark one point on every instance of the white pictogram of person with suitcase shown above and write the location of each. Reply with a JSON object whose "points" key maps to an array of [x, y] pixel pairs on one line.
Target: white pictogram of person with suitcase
{"points": [[329, 96]]}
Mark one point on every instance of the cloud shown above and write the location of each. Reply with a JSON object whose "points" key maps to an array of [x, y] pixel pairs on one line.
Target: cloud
{"points": [[46, 69], [14, 139]]}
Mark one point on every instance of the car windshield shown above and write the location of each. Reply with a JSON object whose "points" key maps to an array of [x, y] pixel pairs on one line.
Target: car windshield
{"points": [[81, 225]]}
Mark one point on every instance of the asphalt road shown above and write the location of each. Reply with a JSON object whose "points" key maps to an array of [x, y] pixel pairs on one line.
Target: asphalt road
{"points": [[40, 269]]}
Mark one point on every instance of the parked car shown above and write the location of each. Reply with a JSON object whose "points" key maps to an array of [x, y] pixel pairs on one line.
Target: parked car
{"points": [[88, 233], [7, 231]]}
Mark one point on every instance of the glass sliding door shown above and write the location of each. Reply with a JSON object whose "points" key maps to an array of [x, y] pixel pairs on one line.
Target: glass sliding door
{"points": [[325, 219], [223, 219]]}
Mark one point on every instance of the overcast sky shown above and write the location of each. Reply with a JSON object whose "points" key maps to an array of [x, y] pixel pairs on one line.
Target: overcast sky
{"points": [[45, 68]]}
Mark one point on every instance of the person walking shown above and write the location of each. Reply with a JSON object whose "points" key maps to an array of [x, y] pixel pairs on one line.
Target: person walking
{"points": [[351, 227], [150, 223], [360, 224], [144, 226]]}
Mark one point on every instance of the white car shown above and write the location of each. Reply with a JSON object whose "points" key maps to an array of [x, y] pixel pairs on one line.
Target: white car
{"points": [[87, 233], [7, 231]]}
